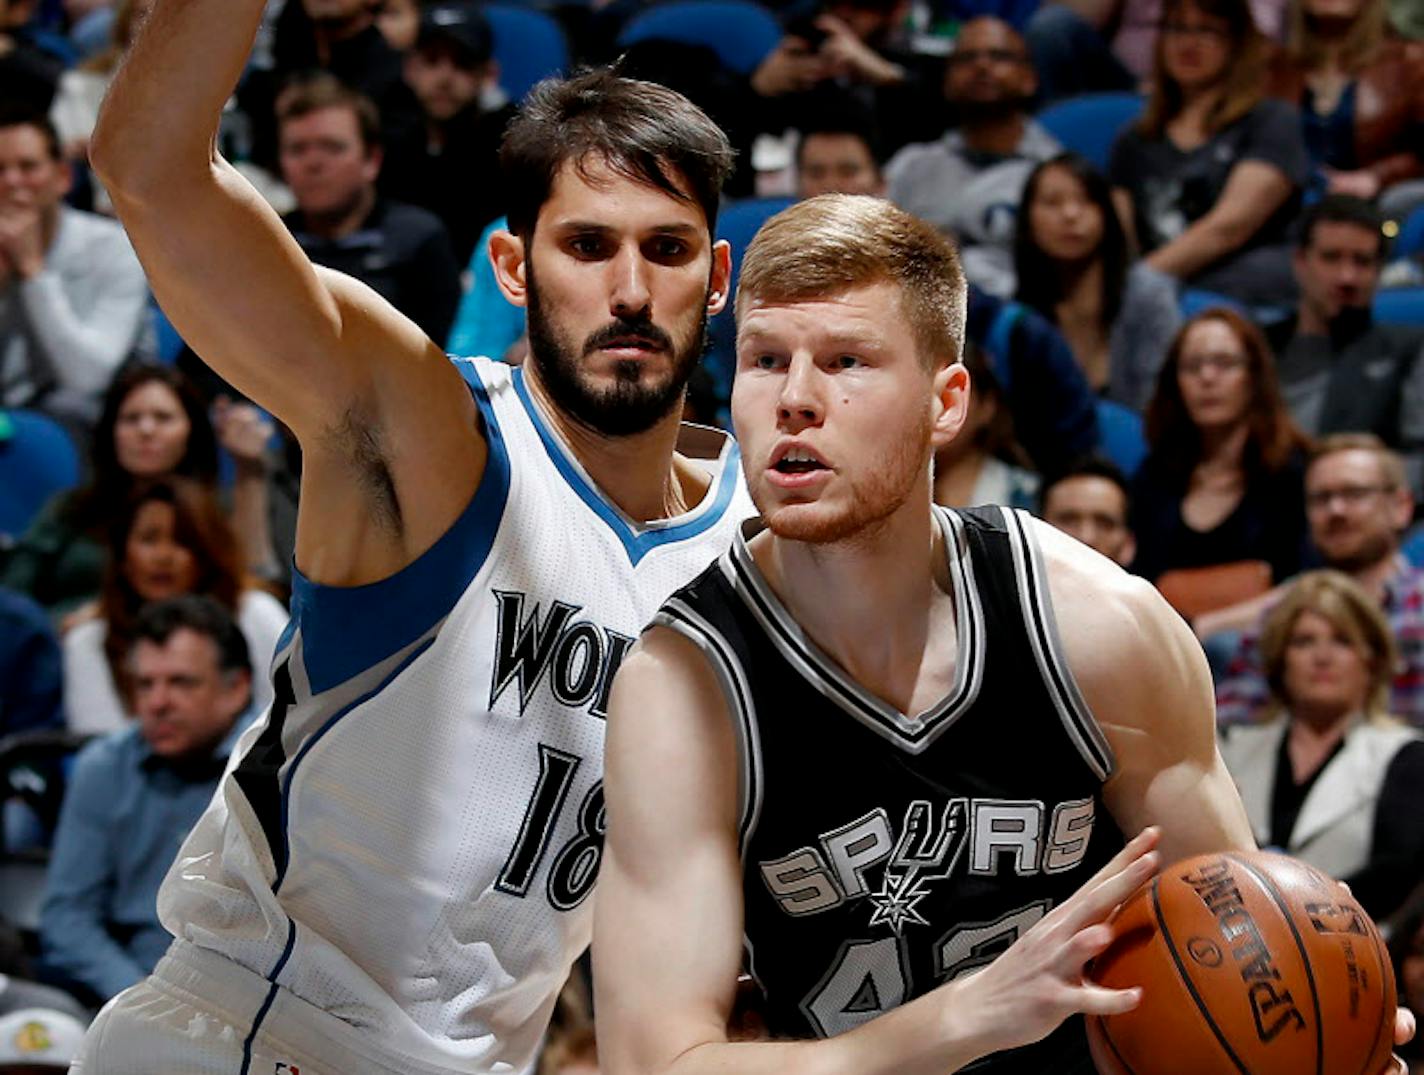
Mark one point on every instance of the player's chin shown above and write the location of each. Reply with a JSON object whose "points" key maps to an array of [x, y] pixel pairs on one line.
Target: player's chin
{"points": [[814, 522]]}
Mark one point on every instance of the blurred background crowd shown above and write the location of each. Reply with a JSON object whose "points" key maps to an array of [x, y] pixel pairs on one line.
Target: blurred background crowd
{"points": [[1194, 232]]}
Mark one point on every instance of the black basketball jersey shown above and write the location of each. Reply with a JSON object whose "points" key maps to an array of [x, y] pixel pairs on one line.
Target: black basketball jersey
{"points": [[883, 854]]}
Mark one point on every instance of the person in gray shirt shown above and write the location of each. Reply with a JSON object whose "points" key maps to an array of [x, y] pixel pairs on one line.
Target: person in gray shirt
{"points": [[73, 297], [1340, 372]]}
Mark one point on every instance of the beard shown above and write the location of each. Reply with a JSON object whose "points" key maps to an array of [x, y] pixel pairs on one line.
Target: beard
{"points": [[635, 402], [884, 489], [1364, 553]]}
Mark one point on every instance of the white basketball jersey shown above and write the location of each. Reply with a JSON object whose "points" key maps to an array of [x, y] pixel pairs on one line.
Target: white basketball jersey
{"points": [[409, 839]]}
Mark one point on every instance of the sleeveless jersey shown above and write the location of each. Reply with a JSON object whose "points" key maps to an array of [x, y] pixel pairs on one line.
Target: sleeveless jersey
{"points": [[408, 840], [884, 854]]}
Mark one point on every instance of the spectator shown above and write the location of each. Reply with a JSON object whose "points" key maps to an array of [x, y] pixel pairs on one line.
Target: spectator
{"points": [[1361, 99], [172, 540], [136, 792], [1073, 266], [1222, 481], [984, 464], [73, 298], [30, 63], [449, 164], [838, 153], [1090, 501], [82, 88], [1339, 371], [152, 424], [399, 22], [1093, 46], [1210, 178], [29, 667], [34, 1041], [856, 46], [331, 157], [1331, 778], [1358, 505], [969, 182]]}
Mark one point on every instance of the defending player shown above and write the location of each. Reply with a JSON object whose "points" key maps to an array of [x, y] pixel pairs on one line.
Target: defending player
{"points": [[394, 876], [878, 742]]}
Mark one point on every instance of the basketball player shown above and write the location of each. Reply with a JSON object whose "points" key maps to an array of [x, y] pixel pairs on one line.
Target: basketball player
{"points": [[878, 743], [394, 875]]}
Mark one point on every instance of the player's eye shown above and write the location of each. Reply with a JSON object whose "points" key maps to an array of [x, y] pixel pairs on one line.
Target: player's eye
{"points": [[846, 362], [586, 246], [766, 362]]}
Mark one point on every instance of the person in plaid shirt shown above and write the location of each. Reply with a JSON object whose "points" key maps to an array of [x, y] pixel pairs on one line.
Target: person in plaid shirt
{"points": [[1357, 503]]}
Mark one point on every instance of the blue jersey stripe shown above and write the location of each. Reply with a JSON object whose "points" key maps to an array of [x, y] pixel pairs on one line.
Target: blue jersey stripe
{"points": [[637, 542], [347, 629]]}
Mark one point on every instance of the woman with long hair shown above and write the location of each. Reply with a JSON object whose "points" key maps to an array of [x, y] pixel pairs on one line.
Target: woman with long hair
{"points": [[171, 538], [153, 423], [1210, 178], [1073, 266], [1330, 777], [1224, 476], [1361, 99]]}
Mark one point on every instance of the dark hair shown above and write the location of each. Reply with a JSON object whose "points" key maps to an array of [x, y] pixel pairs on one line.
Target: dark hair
{"points": [[19, 116], [1088, 466], [1242, 81], [1040, 285], [643, 131], [996, 437], [1173, 438], [837, 112], [1342, 209], [91, 507], [314, 91], [160, 620], [199, 526]]}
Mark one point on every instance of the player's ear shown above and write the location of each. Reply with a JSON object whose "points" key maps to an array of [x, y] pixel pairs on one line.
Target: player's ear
{"points": [[719, 293], [951, 402], [506, 254]]}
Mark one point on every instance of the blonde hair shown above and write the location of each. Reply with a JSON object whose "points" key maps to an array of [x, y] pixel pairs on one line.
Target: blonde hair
{"points": [[1391, 466], [1362, 42], [832, 243], [1339, 599]]}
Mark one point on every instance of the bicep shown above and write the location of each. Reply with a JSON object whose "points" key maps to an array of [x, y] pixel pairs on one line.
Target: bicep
{"points": [[1254, 190], [668, 918]]}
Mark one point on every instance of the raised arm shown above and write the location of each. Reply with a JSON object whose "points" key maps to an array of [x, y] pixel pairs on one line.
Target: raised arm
{"points": [[668, 918], [366, 392], [1145, 678]]}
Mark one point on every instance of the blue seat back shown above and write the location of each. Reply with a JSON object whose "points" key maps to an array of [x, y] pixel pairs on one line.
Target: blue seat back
{"points": [[1410, 240], [529, 46], [1090, 123], [1400, 306], [742, 33], [37, 460]]}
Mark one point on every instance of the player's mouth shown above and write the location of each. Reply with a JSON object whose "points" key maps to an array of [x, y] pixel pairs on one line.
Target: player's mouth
{"points": [[795, 465]]}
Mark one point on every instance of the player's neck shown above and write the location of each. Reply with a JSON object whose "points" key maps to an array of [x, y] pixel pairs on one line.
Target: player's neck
{"points": [[640, 473], [875, 603]]}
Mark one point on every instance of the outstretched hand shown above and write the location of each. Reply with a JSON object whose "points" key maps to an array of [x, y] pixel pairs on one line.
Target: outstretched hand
{"points": [[1040, 981]]}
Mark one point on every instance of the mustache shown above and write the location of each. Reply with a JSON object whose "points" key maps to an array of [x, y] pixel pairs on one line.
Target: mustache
{"points": [[624, 328]]}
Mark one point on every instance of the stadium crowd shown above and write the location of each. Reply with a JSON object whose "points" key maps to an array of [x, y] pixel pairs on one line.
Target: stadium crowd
{"points": [[1194, 234]]}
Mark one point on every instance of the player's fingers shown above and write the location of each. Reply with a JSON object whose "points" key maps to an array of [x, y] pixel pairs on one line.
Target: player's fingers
{"points": [[1096, 1000], [1098, 897], [1404, 1026], [1088, 944]]}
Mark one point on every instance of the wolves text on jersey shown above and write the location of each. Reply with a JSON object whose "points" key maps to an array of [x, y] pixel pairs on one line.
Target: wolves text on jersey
{"points": [[996, 834], [577, 657]]}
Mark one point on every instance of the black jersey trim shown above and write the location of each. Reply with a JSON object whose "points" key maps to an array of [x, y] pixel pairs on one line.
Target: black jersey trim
{"points": [[911, 734], [678, 616], [1047, 646]]}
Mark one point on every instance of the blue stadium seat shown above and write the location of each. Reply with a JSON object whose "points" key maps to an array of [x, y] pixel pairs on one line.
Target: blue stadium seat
{"points": [[737, 223], [1193, 301], [1410, 240], [739, 31], [1120, 436], [1400, 306], [1090, 123], [37, 460], [529, 46]]}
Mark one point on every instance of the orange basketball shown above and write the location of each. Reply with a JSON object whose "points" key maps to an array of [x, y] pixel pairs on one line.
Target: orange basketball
{"points": [[1250, 963]]}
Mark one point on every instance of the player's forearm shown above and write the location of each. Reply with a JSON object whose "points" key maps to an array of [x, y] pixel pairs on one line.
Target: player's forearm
{"points": [[158, 122], [940, 1032]]}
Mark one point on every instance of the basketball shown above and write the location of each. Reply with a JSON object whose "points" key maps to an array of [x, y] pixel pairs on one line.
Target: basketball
{"points": [[1249, 963]]}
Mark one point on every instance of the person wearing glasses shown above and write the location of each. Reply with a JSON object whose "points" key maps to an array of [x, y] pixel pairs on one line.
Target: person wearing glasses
{"points": [[1357, 504], [1331, 776], [1223, 477], [968, 182], [1210, 178]]}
